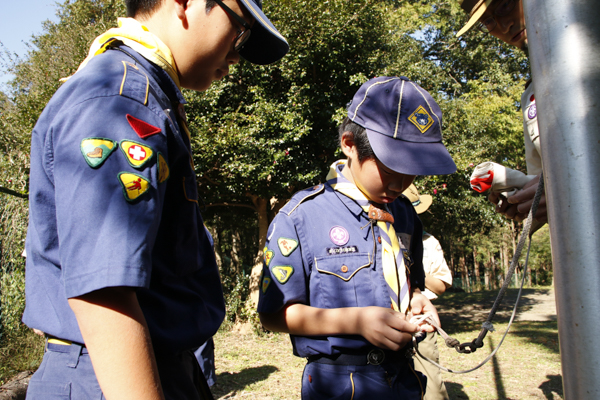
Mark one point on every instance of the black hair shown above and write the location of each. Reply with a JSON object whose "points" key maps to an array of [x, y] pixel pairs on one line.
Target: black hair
{"points": [[147, 7], [361, 140]]}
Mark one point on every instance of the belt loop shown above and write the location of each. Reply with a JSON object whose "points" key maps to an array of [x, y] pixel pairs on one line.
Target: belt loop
{"points": [[74, 353]]}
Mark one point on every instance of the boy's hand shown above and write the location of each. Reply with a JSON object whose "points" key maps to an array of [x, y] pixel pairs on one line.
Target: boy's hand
{"points": [[420, 304], [385, 328]]}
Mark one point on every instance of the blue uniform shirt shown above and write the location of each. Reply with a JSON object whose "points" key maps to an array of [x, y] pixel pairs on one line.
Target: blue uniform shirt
{"points": [[114, 202], [322, 251]]}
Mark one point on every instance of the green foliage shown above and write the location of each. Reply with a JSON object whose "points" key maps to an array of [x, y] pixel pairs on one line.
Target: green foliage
{"points": [[264, 132]]}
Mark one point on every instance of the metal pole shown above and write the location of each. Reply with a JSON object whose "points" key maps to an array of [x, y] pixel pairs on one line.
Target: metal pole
{"points": [[564, 51]]}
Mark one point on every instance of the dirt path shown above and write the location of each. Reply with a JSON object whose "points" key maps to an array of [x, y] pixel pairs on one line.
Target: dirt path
{"points": [[464, 310]]}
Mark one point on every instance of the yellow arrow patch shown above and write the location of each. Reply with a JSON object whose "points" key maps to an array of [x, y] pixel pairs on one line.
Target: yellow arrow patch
{"points": [[137, 154], [134, 185], [163, 169], [282, 273]]}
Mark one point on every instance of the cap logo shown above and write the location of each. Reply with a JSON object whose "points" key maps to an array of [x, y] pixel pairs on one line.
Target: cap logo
{"points": [[421, 119]]}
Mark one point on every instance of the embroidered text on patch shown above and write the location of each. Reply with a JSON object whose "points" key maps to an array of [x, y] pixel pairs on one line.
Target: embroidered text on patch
{"points": [[341, 250], [421, 119], [142, 128], [96, 150], [137, 154], [134, 185], [282, 273], [287, 246]]}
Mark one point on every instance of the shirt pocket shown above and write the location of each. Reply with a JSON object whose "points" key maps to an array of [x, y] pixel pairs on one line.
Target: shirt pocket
{"points": [[341, 281]]}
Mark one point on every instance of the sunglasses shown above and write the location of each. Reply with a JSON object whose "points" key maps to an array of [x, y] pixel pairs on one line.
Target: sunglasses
{"points": [[243, 35]]}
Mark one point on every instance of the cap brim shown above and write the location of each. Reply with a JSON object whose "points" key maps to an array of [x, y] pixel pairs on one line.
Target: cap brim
{"points": [[411, 158], [474, 18], [425, 202], [265, 45]]}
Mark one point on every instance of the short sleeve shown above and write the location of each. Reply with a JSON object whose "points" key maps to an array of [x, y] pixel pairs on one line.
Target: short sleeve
{"points": [[434, 262], [109, 193], [284, 279]]}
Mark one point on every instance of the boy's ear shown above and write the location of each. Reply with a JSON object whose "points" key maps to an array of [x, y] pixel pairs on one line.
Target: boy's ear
{"points": [[180, 8], [347, 144]]}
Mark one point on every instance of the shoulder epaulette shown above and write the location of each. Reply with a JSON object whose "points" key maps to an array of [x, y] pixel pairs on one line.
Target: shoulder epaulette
{"points": [[135, 83], [300, 196]]}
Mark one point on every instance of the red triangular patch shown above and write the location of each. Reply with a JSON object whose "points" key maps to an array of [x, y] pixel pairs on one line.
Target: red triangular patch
{"points": [[143, 129]]}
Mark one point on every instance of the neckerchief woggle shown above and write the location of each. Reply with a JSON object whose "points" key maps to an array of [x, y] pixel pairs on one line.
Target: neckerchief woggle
{"points": [[394, 270]]}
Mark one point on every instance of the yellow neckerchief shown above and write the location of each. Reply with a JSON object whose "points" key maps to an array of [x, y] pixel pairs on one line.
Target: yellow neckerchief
{"points": [[135, 35], [394, 272]]}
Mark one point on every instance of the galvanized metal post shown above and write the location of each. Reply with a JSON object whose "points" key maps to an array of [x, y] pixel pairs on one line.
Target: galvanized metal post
{"points": [[564, 51]]}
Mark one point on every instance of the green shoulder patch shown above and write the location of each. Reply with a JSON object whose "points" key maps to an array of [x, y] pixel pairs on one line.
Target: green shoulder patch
{"points": [[282, 273], [134, 185], [287, 246], [96, 150]]}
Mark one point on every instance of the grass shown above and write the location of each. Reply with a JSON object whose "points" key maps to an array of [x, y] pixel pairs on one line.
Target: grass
{"points": [[21, 353], [261, 366]]}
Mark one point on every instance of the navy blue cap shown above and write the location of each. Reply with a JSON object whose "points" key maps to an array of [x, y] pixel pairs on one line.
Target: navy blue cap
{"points": [[265, 44], [404, 126]]}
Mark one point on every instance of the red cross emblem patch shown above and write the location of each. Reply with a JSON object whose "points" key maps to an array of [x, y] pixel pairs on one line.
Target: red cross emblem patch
{"points": [[137, 154]]}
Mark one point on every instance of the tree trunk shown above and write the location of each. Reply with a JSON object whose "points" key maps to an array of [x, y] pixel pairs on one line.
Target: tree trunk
{"points": [[16, 388], [263, 226], [476, 270], [236, 243]]}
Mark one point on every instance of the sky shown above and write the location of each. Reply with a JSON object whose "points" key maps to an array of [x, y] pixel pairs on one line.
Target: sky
{"points": [[19, 20]]}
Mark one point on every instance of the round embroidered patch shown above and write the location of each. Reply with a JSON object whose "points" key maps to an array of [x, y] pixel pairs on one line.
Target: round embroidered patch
{"points": [[532, 112], [339, 235]]}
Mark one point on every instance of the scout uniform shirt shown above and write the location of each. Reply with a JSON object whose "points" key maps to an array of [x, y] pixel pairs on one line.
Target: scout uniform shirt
{"points": [[323, 251], [114, 202]]}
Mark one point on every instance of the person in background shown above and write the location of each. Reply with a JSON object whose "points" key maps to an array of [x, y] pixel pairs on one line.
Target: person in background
{"points": [[437, 279], [505, 20]]}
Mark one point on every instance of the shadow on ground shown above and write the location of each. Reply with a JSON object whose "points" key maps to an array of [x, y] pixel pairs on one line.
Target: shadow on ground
{"points": [[455, 391], [230, 384]]}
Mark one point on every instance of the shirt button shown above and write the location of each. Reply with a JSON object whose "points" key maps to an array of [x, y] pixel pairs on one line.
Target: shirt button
{"points": [[378, 239], [344, 268]]}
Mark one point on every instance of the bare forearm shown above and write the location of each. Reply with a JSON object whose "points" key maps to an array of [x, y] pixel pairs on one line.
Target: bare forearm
{"points": [[116, 335], [436, 285], [300, 319]]}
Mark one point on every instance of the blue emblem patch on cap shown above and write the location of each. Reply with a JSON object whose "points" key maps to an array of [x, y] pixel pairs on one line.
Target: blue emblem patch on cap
{"points": [[421, 119]]}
